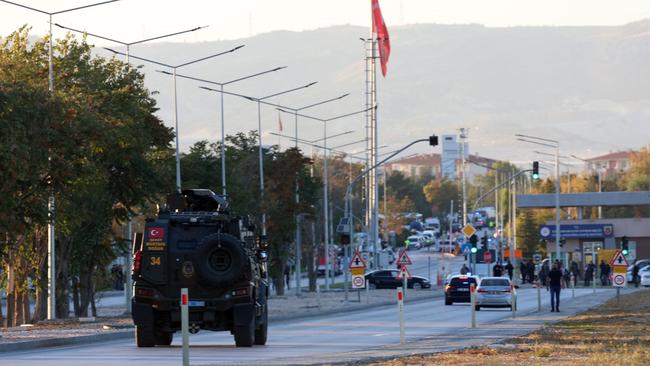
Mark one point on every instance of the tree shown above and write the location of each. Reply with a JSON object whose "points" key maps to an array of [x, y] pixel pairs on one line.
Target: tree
{"points": [[439, 193]]}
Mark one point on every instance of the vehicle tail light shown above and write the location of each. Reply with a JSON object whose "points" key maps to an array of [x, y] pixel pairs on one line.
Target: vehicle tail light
{"points": [[508, 289], [144, 292], [240, 292], [481, 290], [137, 262], [449, 288]]}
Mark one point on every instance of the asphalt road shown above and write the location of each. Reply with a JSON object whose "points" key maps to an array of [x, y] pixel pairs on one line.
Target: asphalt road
{"points": [[315, 338]]}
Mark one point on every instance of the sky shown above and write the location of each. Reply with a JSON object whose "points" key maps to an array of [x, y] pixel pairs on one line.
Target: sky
{"points": [[132, 20]]}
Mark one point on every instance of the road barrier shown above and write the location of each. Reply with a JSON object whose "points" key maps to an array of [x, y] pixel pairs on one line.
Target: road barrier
{"points": [[185, 322], [573, 286], [513, 302], [400, 309], [472, 303]]}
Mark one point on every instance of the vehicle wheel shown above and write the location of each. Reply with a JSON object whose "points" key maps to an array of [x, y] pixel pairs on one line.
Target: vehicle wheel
{"points": [[144, 336], [164, 338], [245, 335], [417, 286], [372, 286], [477, 308], [448, 302]]}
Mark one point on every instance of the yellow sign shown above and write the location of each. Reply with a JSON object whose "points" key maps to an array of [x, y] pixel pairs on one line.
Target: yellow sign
{"points": [[620, 269], [606, 255], [357, 271], [468, 230]]}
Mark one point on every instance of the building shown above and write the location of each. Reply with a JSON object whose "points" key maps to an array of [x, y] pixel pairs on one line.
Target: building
{"points": [[612, 163], [432, 165]]}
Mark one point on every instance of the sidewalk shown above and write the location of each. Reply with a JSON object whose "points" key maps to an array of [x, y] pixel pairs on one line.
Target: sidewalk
{"points": [[112, 324]]}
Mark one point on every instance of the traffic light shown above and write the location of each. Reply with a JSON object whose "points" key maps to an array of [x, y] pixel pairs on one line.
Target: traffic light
{"points": [[433, 140], [345, 239], [473, 240], [535, 170], [484, 242], [624, 246]]}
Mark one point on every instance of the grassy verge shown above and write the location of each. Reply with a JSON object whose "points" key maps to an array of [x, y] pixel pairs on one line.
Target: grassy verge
{"points": [[616, 333]]}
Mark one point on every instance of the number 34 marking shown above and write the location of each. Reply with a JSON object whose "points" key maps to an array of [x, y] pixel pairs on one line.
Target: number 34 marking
{"points": [[154, 261]]}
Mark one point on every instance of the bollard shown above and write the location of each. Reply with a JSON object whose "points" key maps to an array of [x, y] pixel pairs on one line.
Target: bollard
{"points": [[573, 286], [539, 297], [318, 295], [404, 283], [513, 302], [367, 294], [400, 309], [185, 325], [472, 303], [429, 267]]}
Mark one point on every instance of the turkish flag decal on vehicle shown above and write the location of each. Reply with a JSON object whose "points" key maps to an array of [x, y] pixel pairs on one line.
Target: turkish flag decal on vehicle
{"points": [[156, 232]]}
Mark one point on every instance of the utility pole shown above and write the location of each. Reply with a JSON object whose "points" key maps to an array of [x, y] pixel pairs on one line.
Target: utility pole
{"points": [[463, 136]]}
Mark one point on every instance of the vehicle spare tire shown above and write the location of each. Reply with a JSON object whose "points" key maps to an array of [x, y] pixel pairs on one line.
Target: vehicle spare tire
{"points": [[220, 260]]}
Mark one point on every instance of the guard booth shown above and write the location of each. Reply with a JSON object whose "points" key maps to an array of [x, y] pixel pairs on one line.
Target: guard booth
{"points": [[579, 242]]}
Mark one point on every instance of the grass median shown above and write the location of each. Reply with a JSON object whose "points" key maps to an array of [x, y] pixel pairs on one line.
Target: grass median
{"points": [[615, 333]]}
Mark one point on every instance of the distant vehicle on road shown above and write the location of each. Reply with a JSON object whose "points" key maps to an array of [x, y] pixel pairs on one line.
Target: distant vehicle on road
{"points": [[415, 241], [457, 289], [432, 223], [429, 237], [494, 292], [388, 279]]}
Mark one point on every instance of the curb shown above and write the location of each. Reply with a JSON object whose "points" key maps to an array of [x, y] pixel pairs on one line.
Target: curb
{"points": [[57, 342], [97, 338]]}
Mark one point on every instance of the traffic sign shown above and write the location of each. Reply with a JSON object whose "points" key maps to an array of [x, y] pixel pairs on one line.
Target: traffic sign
{"points": [[358, 281], [537, 258], [357, 261], [404, 259], [466, 248], [468, 230], [619, 260], [619, 280], [357, 271], [403, 271], [487, 257]]}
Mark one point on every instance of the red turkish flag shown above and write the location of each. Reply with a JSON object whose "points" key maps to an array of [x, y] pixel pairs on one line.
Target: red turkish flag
{"points": [[383, 41], [156, 232]]}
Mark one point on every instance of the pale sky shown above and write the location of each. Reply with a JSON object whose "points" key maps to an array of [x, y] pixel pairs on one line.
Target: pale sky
{"points": [[132, 20]]}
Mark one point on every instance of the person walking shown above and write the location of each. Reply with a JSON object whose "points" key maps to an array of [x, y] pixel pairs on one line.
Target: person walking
{"points": [[635, 275], [531, 271], [497, 270], [464, 269], [555, 284], [510, 269], [603, 273], [523, 271], [543, 275], [589, 273]]}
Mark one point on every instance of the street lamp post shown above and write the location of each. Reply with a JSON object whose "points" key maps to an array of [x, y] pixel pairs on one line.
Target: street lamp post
{"points": [[223, 128], [555, 145], [326, 223], [51, 231], [127, 261], [174, 68]]}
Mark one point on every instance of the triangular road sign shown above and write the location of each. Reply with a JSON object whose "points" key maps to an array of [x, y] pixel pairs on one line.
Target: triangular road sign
{"points": [[357, 261], [403, 271], [404, 259], [619, 260]]}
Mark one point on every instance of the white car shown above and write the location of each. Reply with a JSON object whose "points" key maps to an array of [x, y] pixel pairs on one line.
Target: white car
{"points": [[644, 275], [415, 241], [495, 292], [639, 262]]}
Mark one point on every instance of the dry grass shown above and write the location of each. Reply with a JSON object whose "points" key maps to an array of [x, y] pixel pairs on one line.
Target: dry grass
{"points": [[613, 334]]}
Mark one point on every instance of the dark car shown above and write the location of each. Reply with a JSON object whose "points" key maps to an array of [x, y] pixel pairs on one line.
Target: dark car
{"points": [[388, 279], [457, 290]]}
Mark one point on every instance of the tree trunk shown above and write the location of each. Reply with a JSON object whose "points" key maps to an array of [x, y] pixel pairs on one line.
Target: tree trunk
{"points": [[75, 296], [312, 268], [40, 308], [18, 307], [11, 282], [62, 279], [27, 318], [85, 291]]}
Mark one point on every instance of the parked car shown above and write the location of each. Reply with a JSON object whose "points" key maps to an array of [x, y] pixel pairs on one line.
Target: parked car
{"points": [[457, 288], [415, 242], [429, 237], [639, 262], [495, 292], [644, 275], [388, 279]]}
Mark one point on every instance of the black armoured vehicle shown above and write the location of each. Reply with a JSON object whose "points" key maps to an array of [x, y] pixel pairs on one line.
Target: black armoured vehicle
{"points": [[198, 244]]}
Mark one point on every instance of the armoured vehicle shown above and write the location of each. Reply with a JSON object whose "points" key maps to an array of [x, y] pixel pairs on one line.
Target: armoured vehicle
{"points": [[197, 243]]}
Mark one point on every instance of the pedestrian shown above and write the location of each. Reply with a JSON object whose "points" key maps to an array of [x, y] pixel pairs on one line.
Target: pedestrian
{"points": [[555, 284], [523, 271], [497, 270], [510, 269], [575, 269], [567, 277], [603, 273], [287, 277], [543, 275], [531, 271], [635, 275], [589, 273], [464, 269]]}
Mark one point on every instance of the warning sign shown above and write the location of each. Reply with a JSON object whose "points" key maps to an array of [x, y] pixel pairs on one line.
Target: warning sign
{"points": [[357, 261], [404, 259], [619, 260], [403, 271]]}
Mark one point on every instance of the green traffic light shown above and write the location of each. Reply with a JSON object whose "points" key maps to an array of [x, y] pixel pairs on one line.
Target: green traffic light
{"points": [[535, 176], [474, 250], [624, 251]]}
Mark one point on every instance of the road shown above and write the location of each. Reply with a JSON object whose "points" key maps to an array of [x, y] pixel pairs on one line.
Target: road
{"points": [[317, 339]]}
